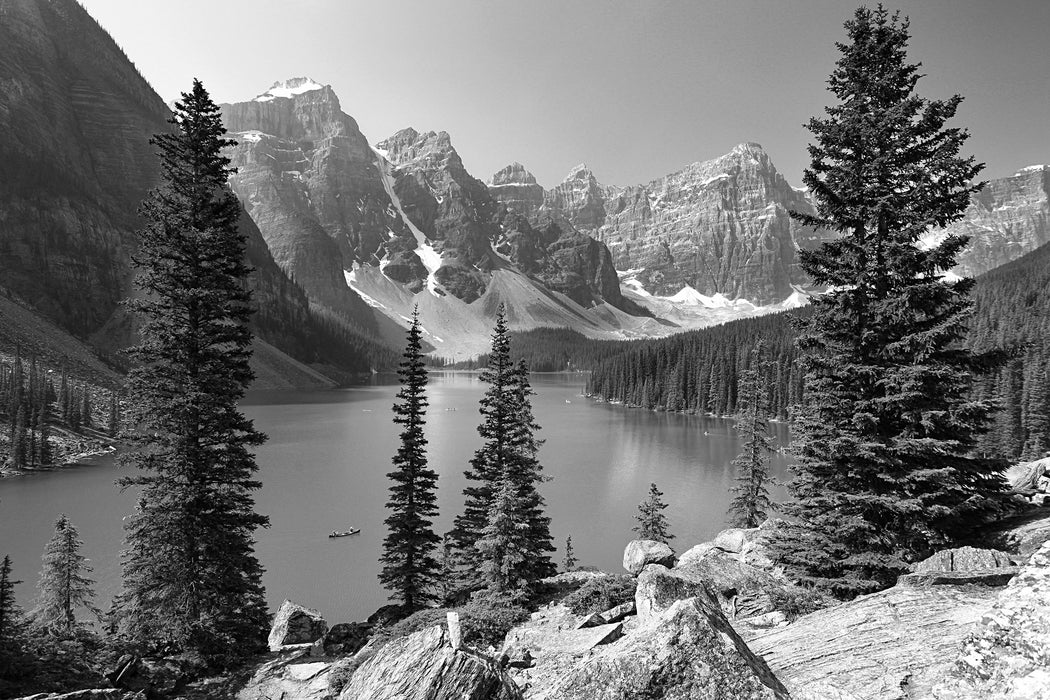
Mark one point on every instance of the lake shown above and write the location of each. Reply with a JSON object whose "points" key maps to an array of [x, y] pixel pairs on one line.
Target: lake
{"points": [[325, 464]]}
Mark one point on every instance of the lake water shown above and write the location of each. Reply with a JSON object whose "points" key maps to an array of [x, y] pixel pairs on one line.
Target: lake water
{"points": [[324, 468]]}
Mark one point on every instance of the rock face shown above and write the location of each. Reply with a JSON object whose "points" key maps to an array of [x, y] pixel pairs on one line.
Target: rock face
{"points": [[894, 644], [689, 652], [310, 181], [424, 666], [964, 559], [719, 226], [294, 624], [1005, 220], [287, 677], [1008, 654], [640, 553], [659, 588]]}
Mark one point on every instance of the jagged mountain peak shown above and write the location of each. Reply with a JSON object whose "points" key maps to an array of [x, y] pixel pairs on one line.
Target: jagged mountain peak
{"points": [[513, 174], [290, 88]]}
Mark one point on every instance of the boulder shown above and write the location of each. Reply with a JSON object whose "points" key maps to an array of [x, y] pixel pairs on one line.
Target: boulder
{"points": [[294, 624], [287, 677], [688, 651], [1027, 476], [640, 553], [660, 588], [893, 644], [734, 539], [743, 590], [1008, 653], [424, 665], [964, 559]]}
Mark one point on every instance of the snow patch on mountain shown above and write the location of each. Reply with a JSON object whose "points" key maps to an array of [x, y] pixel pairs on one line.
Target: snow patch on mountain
{"points": [[289, 88], [430, 258]]}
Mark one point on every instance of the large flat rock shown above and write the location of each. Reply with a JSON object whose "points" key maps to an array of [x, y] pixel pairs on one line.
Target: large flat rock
{"points": [[894, 644]]}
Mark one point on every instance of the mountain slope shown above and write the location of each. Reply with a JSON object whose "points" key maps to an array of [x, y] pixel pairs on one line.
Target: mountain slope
{"points": [[75, 162]]}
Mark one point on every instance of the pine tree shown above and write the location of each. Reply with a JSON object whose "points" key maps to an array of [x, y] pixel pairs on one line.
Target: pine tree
{"points": [[752, 503], [12, 623], [19, 440], [885, 469], [652, 523], [409, 567], [503, 546], [191, 578], [491, 460], [113, 424], [10, 614], [570, 561], [526, 472], [64, 586]]}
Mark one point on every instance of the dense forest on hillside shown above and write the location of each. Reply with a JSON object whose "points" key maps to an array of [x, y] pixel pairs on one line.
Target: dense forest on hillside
{"points": [[49, 417], [549, 350], [697, 371]]}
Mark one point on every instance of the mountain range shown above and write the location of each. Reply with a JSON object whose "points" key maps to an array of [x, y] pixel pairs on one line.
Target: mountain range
{"points": [[348, 234]]}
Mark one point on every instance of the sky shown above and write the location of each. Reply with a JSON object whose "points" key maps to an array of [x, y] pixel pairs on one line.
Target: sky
{"points": [[634, 89]]}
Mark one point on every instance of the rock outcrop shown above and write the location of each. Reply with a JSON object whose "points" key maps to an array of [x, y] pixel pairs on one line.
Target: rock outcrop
{"points": [[1005, 220], [891, 645], [294, 624], [1031, 480], [1008, 654], [964, 559], [424, 665], [719, 227], [638, 554], [288, 677], [689, 651]]}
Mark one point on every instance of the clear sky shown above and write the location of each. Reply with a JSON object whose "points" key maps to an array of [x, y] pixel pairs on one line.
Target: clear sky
{"points": [[635, 89]]}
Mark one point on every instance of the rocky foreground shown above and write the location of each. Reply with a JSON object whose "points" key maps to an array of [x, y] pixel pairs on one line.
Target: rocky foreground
{"points": [[717, 621]]}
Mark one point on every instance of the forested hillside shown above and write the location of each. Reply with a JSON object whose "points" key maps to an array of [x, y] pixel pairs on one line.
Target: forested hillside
{"points": [[698, 371]]}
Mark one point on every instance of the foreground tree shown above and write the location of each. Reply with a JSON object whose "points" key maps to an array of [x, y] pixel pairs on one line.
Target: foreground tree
{"points": [[491, 460], [526, 472], [886, 469], [508, 453], [503, 547], [10, 613], [191, 578], [652, 523], [751, 502], [410, 569], [64, 586]]}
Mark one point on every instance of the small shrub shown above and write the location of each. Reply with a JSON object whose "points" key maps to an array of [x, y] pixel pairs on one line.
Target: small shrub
{"points": [[485, 620], [796, 601], [601, 593]]}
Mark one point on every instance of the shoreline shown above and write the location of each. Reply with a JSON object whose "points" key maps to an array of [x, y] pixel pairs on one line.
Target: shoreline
{"points": [[74, 460]]}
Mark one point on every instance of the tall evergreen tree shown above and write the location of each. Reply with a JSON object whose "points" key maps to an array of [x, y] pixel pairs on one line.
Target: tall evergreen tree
{"points": [[526, 472], [10, 613], [410, 569], [191, 577], [491, 460], [652, 523], [886, 469], [751, 503], [12, 623], [64, 586]]}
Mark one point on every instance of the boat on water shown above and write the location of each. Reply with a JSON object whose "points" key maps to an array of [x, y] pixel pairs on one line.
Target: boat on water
{"points": [[344, 533]]}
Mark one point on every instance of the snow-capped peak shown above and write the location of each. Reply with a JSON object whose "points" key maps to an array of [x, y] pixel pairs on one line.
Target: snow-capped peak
{"points": [[1031, 168], [289, 88]]}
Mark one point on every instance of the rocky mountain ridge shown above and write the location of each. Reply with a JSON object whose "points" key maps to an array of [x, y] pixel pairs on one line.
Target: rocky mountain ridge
{"points": [[404, 223]]}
